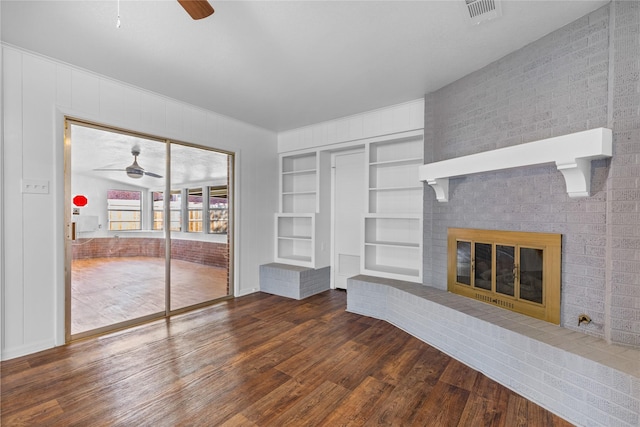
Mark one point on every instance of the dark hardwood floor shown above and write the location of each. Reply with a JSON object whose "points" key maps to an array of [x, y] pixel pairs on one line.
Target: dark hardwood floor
{"points": [[258, 360]]}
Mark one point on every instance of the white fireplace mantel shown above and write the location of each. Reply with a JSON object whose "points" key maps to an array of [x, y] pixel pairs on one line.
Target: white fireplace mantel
{"points": [[571, 153]]}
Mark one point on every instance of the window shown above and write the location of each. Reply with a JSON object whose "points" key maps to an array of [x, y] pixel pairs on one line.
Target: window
{"points": [[175, 206], [157, 200], [194, 209], [195, 214], [124, 209], [218, 210]]}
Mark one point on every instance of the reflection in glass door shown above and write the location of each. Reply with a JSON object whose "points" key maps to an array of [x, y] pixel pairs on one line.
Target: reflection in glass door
{"points": [[125, 202], [200, 249]]}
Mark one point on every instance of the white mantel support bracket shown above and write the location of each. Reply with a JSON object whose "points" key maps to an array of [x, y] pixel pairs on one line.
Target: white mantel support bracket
{"points": [[571, 153], [577, 176]]}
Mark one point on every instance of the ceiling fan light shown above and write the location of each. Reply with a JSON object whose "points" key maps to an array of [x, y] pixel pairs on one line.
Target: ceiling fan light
{"points": [[134, 173]]}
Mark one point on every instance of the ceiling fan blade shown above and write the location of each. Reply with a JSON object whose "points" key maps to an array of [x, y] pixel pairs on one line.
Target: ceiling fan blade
{"points": [[198, 9], [108, 169], [155, 175]]}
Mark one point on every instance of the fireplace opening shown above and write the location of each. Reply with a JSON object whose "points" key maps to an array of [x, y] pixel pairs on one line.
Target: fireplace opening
{"points": [[518, 271]]}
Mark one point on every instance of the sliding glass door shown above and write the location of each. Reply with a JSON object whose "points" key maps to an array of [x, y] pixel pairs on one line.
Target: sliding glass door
{"points": [[200, 232], [148, 227]]}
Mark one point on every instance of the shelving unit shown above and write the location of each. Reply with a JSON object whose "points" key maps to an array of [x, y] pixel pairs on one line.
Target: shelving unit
{"points": [[299, 183], [300, 221], [295, 224], [294, 242], [393, 224], [394, 186]]}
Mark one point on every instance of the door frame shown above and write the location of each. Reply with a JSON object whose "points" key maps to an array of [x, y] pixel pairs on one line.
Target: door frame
{"points": [[66, 217], [345, 151]]}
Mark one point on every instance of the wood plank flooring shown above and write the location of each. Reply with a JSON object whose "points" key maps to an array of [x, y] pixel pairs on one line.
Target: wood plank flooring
{"points": [[106, 291], [258, 360]]}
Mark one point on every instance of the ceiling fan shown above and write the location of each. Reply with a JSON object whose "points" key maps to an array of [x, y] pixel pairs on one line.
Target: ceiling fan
{"points": [[197, 9], [134, 171]]}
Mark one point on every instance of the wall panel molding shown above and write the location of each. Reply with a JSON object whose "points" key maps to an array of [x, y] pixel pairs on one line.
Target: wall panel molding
{"points": [[384, 121]]}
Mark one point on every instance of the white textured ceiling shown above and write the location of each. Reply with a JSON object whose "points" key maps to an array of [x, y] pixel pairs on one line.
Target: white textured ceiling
{"points": [[282, 64]]}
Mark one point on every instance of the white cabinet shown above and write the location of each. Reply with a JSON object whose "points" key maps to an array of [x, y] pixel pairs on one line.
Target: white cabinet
{"points": [[393, 224]]}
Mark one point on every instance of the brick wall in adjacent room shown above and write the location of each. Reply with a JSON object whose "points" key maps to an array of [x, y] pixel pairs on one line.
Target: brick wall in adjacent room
{"points": [[207, 253], [111, 247], [560, 84]]}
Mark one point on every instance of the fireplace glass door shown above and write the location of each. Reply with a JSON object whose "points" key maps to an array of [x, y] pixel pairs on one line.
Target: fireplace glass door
{"points": [[514, 270], [506, 270], [482, 266], [531, 274]]}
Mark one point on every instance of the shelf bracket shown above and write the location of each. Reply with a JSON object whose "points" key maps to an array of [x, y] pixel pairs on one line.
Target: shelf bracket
{"points": [[572, 155], [577, 176], [441, 187]]}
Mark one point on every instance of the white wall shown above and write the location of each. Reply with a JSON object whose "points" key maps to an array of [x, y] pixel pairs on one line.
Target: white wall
{"points": [[37, 93], [95, 190]]}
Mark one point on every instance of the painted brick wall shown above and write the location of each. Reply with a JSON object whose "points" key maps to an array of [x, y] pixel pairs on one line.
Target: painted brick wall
{"points": [[428, 252], [623, 195], [557, 85], [207, 253]]}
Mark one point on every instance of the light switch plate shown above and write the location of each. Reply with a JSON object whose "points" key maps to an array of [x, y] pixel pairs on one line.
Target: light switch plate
{"points": [[35, 186]]}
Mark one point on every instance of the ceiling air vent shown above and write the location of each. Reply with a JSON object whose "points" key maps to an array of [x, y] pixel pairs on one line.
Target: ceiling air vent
{"points": [[483, 10]]}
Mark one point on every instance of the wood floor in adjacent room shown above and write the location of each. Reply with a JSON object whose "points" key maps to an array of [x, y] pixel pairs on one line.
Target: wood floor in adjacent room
{"points": [[107, 291], [258, 360]]}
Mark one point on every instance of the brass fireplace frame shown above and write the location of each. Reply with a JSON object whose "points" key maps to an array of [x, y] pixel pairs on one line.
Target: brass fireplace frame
{"points": [[545, 306]]}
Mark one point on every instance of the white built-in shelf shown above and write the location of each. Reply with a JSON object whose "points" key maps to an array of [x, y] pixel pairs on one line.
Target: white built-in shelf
{"points": [[293, 193], [399, 162], [392, 226], [305, 162], [571, 153], [301, 227], [398, 244], [294, 237], [391, 272], [299, 183], [300, 172], [295, 259]]}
